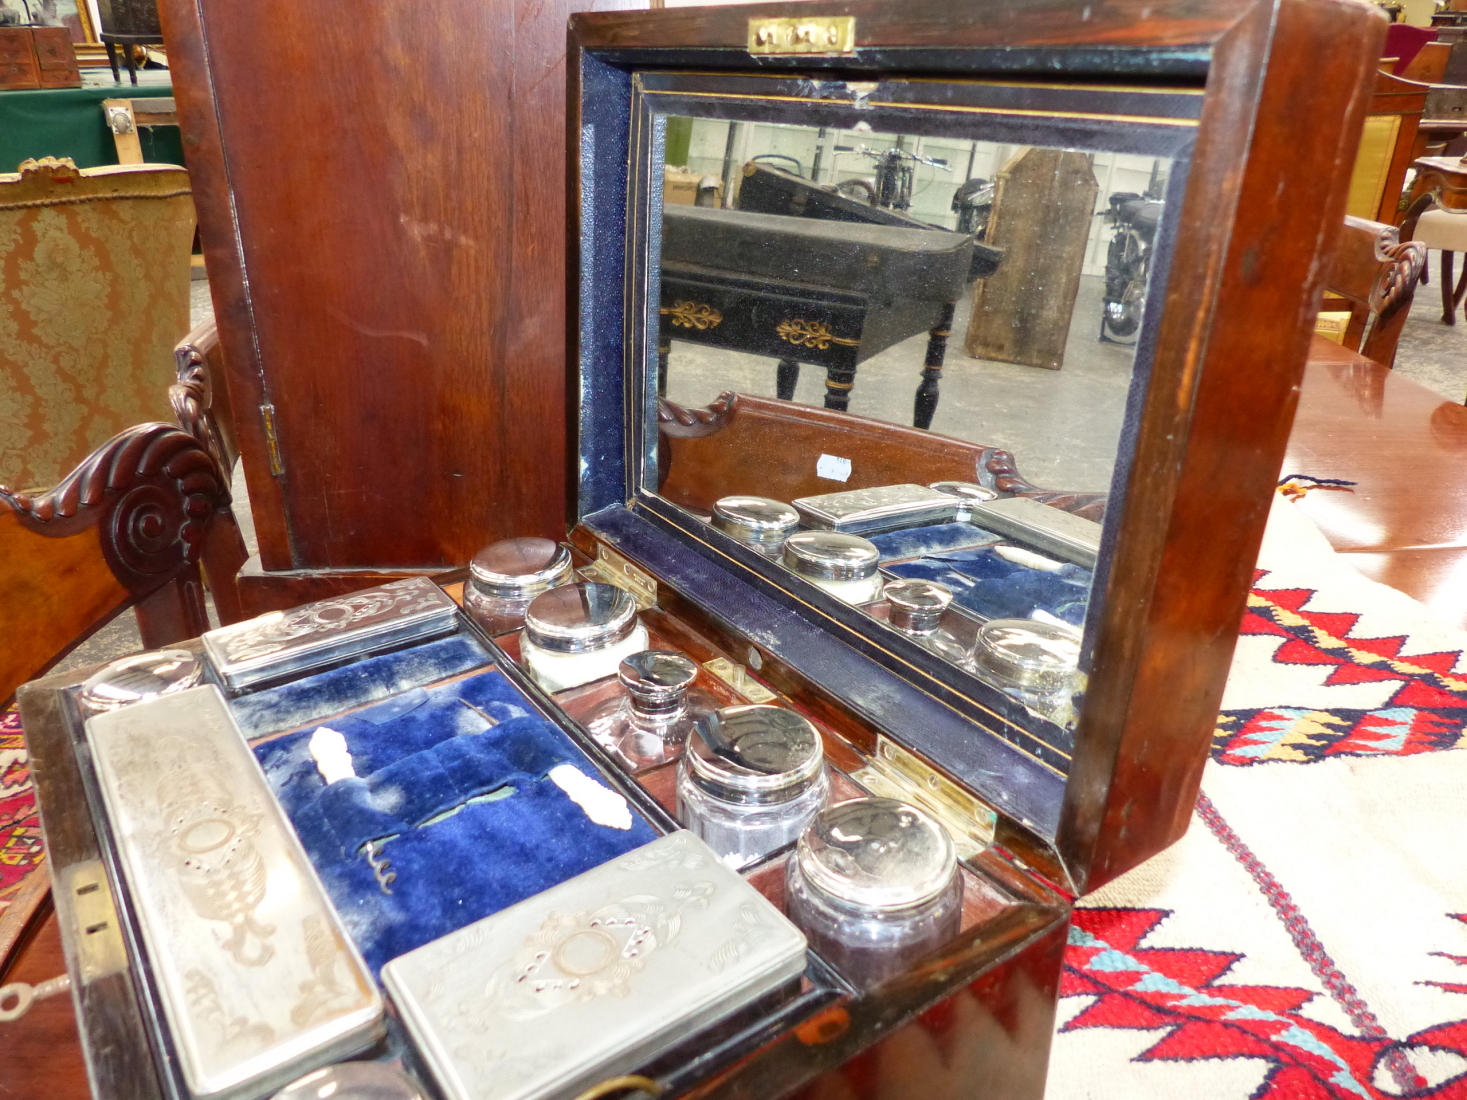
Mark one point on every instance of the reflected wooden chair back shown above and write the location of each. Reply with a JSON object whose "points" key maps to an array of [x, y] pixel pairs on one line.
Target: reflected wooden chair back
{"points": [[1376, 273], [702, 455], [94, 294]]}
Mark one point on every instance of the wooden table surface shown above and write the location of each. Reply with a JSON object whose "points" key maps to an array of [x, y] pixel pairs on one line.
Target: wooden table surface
{"points": [[1404, 524], [1405, 521]]}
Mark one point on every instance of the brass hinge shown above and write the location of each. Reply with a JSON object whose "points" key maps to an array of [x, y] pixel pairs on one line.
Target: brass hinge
{"points": [[896, 773], [95, 934], [611, 568], [818, 34], [272, 440], [738, 678]]}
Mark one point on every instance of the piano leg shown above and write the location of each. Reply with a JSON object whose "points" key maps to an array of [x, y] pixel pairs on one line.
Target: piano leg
{"points": [[664, 349], [926, 403], [839, 381], [785, 379]]}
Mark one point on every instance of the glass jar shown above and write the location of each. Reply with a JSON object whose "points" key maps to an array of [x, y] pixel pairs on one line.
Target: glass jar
{"points": [[506, 575], [843, 565], [1032, 660], [967, 492], [578, 633], [141, 677], [874, 885], [915, 608], [649, 722], [750, 781], [758, 522]]}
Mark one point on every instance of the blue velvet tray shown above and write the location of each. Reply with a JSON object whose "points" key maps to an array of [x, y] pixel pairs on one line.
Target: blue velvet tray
{"points": [[454, 798], [355, 685], [937, 538], [994, 587]]}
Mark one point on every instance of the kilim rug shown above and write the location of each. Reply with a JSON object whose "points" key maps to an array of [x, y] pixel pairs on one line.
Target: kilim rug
{"points": [[23, 878], [1307, 938]]}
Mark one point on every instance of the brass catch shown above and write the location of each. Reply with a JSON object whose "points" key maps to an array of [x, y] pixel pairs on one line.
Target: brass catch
{"points": [[611, 568], [820, 34], [738, 678], [896, 773], [95, 935]]}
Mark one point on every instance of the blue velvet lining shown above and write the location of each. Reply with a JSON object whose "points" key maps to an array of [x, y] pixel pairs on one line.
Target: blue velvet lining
{"points": [[454, 798], [314, 697], [990, 585], [915, 542]]}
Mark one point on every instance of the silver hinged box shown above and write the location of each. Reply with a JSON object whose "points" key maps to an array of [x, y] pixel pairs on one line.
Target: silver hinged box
{"points": [[282, 643], [1068, 536], [595, 977], [258, 980], [880, 508]]}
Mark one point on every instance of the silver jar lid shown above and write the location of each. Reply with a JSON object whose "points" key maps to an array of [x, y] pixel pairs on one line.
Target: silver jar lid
{"points": [[877, 853], [516, 568], [580, 618], [754, 754], [1028, 653], [141, 677], [831, 556], [353, 1081], [966, 490], [657, 679], [755, 519], [916, 607]]}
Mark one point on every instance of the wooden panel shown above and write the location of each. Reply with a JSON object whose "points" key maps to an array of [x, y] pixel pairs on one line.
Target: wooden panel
{"points": [[384, 231], [43, 1055], [1043, 207]]}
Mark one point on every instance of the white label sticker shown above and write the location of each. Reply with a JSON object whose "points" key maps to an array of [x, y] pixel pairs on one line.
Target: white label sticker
{"points": [[832, 468]]}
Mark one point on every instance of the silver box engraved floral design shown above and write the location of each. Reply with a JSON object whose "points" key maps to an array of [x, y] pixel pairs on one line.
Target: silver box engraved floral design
{"points": [[258, 980], [879, 508], [284, 642], [595, 977]]}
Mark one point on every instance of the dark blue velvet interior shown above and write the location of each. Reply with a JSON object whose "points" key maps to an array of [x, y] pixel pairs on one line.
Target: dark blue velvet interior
{"points": [[935, 539], [457, 803], [310, 699], [992, 586]]}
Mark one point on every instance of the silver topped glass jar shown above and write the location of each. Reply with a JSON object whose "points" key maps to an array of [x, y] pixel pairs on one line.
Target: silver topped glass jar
{"points": [[843, 565], [506, 575], [750, 780], [141, 677], [915, 608], [1033, 660], [874, 884], [578, 633], [757, 522], [967, 492], [648, 723]]}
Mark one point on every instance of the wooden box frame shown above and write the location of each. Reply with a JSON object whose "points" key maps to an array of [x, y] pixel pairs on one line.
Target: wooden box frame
{"points": [[1264, 197]]}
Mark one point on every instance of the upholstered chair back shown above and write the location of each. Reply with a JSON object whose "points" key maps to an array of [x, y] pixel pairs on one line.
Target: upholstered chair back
{"points": [[94, 294]]}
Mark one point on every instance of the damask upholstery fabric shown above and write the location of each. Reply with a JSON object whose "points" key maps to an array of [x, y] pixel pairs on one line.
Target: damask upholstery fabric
{"points": [[94, 294]]}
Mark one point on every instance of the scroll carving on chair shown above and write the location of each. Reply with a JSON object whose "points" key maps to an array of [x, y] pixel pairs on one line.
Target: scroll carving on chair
{"points": [[1377, 274], [127, 522]]}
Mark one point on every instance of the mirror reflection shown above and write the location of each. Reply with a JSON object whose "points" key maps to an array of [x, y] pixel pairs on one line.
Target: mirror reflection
{"points": [[898, 366]]}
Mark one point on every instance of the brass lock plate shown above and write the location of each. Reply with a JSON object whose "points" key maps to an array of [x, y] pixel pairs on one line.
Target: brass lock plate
{"points": [[821, 34]]}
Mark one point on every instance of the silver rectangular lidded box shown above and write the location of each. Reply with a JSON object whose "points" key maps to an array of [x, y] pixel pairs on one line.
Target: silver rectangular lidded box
{"points": [[281, 643], [595, 977], [1068, 536], [259, 982], [879, 508]]}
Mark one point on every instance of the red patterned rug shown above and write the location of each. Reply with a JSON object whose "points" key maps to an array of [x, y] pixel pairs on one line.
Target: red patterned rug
{"points": [[23, 878], [1308, 937]]}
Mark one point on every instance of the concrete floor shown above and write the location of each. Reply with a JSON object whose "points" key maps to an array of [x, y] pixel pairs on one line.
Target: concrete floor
{"points": [[1062, 425]]}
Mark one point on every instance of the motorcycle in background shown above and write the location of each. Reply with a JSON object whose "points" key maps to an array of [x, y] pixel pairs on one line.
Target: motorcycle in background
{"points": [[1127, 264]]}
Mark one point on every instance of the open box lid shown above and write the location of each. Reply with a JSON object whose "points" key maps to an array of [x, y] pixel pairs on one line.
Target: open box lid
{"points": [[1250, 145]]}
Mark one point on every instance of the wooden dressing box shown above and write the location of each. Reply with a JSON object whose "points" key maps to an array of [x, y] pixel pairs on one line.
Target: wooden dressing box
{"points": [[1248, 143]]}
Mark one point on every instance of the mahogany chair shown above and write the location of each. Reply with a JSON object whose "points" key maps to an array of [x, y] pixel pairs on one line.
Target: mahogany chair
{"points": [[1376, 273], [700, 454], [1388, 145]]}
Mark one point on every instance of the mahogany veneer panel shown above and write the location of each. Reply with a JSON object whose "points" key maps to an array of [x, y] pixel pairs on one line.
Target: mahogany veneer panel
{"points": [[381, 203]]}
